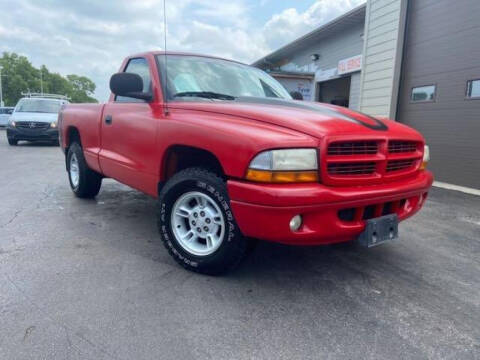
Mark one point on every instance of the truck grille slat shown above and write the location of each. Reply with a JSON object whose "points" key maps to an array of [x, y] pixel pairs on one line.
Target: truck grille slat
{"points": [[397, 146], [353, 148], [351, 168], [395, 165]]}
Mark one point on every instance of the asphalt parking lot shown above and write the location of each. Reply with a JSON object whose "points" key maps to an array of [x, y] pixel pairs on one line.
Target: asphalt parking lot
{"points": [[90, 280]]}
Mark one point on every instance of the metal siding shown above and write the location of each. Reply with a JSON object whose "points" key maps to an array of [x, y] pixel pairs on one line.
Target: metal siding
{"points": [[443, 48], [374, 58], [383, 41], [354, 102], [331, 50]]}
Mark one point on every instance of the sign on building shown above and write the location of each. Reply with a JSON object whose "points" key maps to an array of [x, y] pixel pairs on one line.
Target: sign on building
{"points": [[349, 65]]}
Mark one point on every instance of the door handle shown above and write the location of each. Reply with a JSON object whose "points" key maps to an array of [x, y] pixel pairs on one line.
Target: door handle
{"points": [[108, 119]]}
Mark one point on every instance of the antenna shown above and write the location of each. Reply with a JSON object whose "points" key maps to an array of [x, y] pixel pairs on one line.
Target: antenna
{"points": [[165, 84]]}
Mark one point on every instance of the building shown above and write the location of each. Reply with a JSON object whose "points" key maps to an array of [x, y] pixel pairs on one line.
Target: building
{"points": [[415, 61]]}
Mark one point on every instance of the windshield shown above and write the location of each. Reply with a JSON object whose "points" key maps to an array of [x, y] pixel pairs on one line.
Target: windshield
{"points": [[38, 105], [192, 76]]}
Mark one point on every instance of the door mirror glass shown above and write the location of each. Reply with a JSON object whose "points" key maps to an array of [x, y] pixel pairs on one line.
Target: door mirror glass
{"points": [[128, 85]]}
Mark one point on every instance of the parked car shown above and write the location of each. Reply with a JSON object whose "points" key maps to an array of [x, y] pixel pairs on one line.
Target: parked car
{"points": [[35, 118], [5, 113], [230, 157]]}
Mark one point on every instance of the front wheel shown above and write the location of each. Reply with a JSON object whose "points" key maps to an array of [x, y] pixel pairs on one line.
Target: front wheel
{"points": [[84, 182], [197, 225], [12, 142]]}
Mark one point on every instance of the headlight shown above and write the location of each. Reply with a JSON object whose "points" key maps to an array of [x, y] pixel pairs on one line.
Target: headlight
{"points": [[284, 166], [426, 157], [53, 125], [11, 123]]}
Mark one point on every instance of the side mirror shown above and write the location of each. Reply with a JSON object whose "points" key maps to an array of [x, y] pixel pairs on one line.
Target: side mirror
{"points": [[129, 85]]}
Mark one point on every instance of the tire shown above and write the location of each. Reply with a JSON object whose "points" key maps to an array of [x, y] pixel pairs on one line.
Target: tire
{"points": [[84, 182], [200, 255], [12, 142]]}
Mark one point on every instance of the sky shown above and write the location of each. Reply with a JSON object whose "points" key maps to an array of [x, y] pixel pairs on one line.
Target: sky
{"points": [[91, 37]]}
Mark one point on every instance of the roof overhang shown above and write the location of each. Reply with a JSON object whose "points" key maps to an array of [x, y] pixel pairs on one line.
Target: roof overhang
{"points": [[291, 75]]}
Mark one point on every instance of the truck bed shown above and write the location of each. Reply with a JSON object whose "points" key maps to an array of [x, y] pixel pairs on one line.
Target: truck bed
{"points": [[86, 117]]}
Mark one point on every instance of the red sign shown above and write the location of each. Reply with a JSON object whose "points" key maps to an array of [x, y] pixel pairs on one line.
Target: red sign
{"points": [[349, 65]]}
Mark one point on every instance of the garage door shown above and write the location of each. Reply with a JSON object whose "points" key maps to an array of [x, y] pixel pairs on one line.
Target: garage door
{"points": [[438, 93]]}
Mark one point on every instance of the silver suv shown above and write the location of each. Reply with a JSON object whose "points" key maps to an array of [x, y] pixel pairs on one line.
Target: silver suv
{"points": [[35, 118]]}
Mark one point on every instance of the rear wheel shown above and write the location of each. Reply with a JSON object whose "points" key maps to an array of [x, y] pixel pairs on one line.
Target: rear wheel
{"points": [[85, 183], [12, 142], [197, 225]]}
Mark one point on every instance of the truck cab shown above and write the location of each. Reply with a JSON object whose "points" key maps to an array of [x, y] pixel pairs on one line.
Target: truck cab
{"points": [[231, 157]]}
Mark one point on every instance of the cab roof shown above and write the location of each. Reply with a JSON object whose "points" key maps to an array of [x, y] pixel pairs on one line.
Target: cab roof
{"points": [[182, 54]]}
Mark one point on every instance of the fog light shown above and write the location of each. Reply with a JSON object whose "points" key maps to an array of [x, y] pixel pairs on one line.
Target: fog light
{"points": [[296, 222]]}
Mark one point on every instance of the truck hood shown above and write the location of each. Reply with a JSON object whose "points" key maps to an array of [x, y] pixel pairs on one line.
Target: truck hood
{"points": [[314, 119], [34, 117]]}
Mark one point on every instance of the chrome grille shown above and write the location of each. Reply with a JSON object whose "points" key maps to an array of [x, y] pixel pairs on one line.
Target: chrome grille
{"points": [[32, 125]]}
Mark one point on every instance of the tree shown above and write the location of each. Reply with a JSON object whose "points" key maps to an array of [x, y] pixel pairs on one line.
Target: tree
{"points": [[19, 75], [82, 88]]}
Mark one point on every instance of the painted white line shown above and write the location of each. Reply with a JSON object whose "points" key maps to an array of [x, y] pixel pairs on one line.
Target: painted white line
{"points": [[463, 189]]}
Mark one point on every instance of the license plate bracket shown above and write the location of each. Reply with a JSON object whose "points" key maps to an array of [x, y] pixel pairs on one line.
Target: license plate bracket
{"points": [[379, 230]]}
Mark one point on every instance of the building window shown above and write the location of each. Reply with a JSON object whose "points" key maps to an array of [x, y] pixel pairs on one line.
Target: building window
{"points": [[423, 93], [473, 88]]}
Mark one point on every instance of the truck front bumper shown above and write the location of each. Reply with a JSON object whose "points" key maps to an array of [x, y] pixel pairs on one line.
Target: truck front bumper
{"points": [[330, 214]]}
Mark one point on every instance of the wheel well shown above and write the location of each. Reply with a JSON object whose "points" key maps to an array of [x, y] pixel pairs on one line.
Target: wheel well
{"points": [[180, 157], [73, 135]]}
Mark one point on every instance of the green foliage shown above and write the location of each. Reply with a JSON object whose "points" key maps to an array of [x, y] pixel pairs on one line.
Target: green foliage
{"points": [[19, 75]]}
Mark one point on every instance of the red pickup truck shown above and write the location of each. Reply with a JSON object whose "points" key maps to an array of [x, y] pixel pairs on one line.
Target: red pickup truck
{"points": [[231, 157]]}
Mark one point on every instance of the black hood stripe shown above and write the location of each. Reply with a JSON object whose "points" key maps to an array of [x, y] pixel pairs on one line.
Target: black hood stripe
{"points": [[315, 108]]}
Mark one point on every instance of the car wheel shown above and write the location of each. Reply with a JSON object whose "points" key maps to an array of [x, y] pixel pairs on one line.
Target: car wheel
{"points": [[85, 183], [197, 225], [12, 142]]}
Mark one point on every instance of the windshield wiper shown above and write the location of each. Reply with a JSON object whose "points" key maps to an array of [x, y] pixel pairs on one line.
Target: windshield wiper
{"points": [[205, 94]]}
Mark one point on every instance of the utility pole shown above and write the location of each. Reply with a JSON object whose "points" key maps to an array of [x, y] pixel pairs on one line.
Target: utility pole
{"points": [[1, 91], [41, 81]]}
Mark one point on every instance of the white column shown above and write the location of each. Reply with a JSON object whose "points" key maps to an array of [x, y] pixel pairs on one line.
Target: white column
{"points": [[382, 56]]}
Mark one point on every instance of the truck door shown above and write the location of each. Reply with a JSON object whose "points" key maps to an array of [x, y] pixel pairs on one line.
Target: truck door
{"points": [[128, 136]]}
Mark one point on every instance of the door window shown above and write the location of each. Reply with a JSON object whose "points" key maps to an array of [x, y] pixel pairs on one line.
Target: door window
{"points": [[138, 66]]}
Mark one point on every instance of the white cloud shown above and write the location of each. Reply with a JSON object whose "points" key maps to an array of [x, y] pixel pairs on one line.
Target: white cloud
{"points": [[290, 24], [232, 43], [92, 37]]}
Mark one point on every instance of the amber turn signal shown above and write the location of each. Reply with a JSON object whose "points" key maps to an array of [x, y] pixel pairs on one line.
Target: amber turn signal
{"points": [[282, 176], [426, 157]]}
